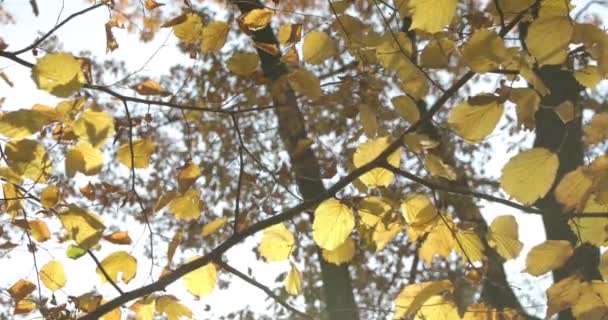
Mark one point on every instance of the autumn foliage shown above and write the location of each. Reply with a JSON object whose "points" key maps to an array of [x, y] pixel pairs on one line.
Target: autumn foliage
{"points": [[351, 139]]}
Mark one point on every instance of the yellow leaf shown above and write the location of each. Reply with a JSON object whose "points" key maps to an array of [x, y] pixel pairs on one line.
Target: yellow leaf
{"points": [[563, 294], [343, 253], [591, 230], [293, 281], [394, 51], [289, 33], [95, 125], [318, 46], [473, 120], [190, 30], [170, 306], [213, 226], [49, 196], [383, 235], [414, 296], [83, 158], [187, 175], [590, 76], [114, 314], [413, 81], [186, 206], [214, 36], [439, 241], [485, 51], [29, 159], [150, 88], [151, 4], [39, 230], [21, 289], [201, 281], [526, 102], [334, 221], [371, 210], [532, 78], [438, 307], [53, 276], [504, 237], [24, 306], [574, 189], [438, 168], [406, 108], [144, 308], [367, 152], [306, 83], [139, 156], [118, 237], [81, 226], [58, 73], [21, 124], [419, 213], [118, 262], [432, 16], [548, 39], [10, 192], [548, 256], [469, 246], [243, 63], [529, 175], [277, 243], [437, 53], [257, 19]]}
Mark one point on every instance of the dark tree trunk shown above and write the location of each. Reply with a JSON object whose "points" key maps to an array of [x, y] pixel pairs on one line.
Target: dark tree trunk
{"points": [[337, 286]]}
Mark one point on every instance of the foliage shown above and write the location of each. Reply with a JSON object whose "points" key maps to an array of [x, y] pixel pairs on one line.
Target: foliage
{"points": [[349, 138]]}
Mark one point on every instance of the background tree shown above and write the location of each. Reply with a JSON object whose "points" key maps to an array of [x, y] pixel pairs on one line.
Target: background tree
{"points": [[353, 135]]}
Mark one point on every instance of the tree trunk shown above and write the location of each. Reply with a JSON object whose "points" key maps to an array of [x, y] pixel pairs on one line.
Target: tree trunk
{"points": [[337, 286], [565, 139]]}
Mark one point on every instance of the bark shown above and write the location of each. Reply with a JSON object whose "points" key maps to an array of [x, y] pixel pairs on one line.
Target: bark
{"points": [[565, 139], [337, 285]]}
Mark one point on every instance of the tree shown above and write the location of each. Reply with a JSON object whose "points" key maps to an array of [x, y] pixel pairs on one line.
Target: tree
{"points": [[340, 134]]}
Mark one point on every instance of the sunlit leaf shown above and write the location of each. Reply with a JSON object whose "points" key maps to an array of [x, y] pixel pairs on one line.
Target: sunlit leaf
{"points": [[318, 46], [529, 175], [243, 63], [293, 281], [119, 262], [59, 74], [201, 281], [343, 253], [95, 125], [563, 294], [438, 168], [170, 306], [138, 154], [367, 152], [213, 226], [432, 16], [150, 88], [52, 275], [49, 196], [383, 235], [504, 237], [83, 158], [23, 123], [144, 308], [485, 51], [414, 296], [277, 243], [189, 29], [29, 159], [39, 230], [186, 206], [548, 256], [469, 246], [188, 175], [548, 39], [440, 241], [21, 289], [419, 213], [406, 108], [257, 19], [118, 237], [214, 36], [81, 226], [473, 120], [334, 221], [573, 189]]}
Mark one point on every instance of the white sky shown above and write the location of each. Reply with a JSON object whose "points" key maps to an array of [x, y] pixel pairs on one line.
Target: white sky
{"points": [[88, 33]]}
